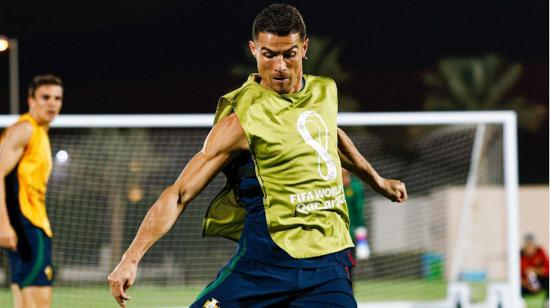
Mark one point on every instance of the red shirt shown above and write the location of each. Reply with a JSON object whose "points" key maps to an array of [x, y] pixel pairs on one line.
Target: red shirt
{"points": [[538, 260]]}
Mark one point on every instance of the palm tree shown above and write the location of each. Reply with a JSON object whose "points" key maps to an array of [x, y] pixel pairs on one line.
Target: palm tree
{"points": [[482, 83]]}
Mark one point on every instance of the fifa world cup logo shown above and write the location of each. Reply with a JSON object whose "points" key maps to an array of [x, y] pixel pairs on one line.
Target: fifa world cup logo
{"points": [[319, 144]]}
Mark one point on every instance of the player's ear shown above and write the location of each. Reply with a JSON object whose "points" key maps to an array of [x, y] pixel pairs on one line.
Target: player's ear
{"points": [[305, 46], [253, 49], [30, 102]]}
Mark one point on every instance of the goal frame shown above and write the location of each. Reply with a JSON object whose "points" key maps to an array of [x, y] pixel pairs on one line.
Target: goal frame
{"points": [[505, 118]]}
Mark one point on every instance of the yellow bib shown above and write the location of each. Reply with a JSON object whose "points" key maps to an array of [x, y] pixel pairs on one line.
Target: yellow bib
{"points": [[293, 143], [33, 171]]}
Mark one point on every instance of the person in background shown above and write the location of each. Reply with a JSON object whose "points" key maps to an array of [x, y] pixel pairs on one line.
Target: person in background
{"points": [[25, 166], [355, 199], [534, 268]]}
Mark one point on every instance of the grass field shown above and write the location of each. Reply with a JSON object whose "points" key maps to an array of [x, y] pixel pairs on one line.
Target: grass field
{"points": [[180, 296]]}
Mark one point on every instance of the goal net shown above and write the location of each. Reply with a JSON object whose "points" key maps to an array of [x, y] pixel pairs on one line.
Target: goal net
{"points": [[454, 242]]}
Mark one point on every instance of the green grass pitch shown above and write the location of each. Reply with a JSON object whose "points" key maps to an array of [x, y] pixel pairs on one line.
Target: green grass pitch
{"points": [[181, 296]]}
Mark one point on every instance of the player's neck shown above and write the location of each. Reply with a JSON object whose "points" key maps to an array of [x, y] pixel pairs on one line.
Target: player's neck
{"points": [[36, 118], [295, 89]]}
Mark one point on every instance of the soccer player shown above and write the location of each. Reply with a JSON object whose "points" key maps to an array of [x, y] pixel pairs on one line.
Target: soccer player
{"points": [[355, 200], [276, 140], [25, 165]]}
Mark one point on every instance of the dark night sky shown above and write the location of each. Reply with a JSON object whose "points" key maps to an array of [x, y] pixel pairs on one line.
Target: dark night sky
{"points": [[174, 56]]}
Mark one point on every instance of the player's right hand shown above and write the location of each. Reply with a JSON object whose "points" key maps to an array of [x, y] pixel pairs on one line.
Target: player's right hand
{"points": [[122, 278], [393, 189], [8, 237]]}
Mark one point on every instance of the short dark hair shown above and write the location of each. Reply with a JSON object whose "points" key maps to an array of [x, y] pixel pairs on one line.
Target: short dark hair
{"points": [[279, 19], [42, 80]]}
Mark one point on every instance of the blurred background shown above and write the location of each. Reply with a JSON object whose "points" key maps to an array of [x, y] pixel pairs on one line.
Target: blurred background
{"points": [[397, 55]]}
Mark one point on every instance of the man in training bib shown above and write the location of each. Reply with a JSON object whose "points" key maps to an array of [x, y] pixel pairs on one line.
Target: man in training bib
{"points": [[25, 166], [276, 140]]}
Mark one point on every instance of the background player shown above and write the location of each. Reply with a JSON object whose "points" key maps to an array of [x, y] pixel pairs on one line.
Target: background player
{"points": [[355, 199], [265, 139], [25, 166], [534, 268]]}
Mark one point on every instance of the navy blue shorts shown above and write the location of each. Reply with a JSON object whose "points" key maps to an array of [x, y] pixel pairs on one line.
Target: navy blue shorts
{"points": [[31, 264], [247, 283]]}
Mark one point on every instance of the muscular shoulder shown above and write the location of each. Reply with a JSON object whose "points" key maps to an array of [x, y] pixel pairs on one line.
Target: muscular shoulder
{"points": [[229, 124], [18, 135], [13, 144], [226, 136]]}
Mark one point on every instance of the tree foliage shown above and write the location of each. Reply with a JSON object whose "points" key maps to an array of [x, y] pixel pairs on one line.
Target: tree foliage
{"points": [[482, 83]]}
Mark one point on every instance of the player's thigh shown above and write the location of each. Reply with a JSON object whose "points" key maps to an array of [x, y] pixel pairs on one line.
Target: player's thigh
{"points": [[36, 270], [15, 261], [333, 293], [16, 296], [39, 297], [250, 288]]}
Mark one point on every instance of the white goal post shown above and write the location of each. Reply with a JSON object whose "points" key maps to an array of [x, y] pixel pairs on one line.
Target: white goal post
{"points": [[505, 119]]}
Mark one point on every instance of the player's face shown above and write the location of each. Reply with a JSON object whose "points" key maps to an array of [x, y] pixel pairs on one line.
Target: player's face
{"points": [[46, 103], [530, 248], [279, 61]]}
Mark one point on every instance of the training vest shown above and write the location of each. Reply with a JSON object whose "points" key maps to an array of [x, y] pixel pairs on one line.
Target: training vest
{"points": [[293, 142], [28, 181]]}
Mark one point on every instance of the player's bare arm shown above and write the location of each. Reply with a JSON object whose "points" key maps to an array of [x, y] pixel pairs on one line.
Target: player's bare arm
{"points": [[356, 163], [224, 140], [16, 139]]}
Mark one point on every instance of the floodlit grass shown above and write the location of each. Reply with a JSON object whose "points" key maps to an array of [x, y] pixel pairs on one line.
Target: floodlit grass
{"points": [[100, 297], [421, 290], [399, 290], [182, 296]]}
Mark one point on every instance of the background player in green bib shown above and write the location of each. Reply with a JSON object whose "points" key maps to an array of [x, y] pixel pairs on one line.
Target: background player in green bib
{"points": [[355, 199], [277, 142]]}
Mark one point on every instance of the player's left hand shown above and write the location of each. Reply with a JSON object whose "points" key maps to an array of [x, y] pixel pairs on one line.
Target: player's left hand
{"points": [[8, 237], [122, 278], [393, 189]]}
